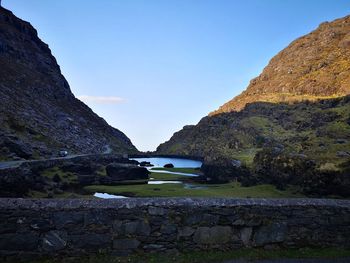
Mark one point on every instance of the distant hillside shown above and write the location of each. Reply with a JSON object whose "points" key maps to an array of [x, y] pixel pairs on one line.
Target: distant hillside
{"points": [[38, 112], [320, 130], [298, 103], [315, 66]]}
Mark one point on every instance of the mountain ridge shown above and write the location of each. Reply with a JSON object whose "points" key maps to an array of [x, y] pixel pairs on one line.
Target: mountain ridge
{"points": [[313, 121], [39, 113], [301, 72]]}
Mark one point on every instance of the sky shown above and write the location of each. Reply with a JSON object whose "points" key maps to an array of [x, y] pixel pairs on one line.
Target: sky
{"points": [[150, 67]]}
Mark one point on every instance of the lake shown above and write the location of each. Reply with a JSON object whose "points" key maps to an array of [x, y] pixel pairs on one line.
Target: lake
{"points": [[177, 162], [160, 162], [169, 172]]}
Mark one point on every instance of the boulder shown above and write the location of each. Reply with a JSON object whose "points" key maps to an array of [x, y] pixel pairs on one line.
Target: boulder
{"points": [[146, 164], [213, 235], [133, 162], [281, 168], [341, 141], [274, 233], [168, 165], [285, 169], [88, 179], [223, 171], [139, 228], [236, 163], [90, 241], [245, 234], [343, 154], [17, 182], [54, 240], [126, 244], [185, 231], [121, 172], [323, 183]]}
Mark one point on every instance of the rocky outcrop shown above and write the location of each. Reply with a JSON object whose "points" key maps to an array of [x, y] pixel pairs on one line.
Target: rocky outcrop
{"points": [[223, 171], [117, 172], [283, 169], [168, 165], [38, 112], [56, 176], [18, 182], [146, 164]]}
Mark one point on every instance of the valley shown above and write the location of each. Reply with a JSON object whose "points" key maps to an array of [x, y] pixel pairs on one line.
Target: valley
{"points": [[267, 173], [289, 129]]}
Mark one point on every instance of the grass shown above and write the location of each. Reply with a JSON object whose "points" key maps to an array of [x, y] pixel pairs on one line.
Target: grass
{"points": [[178, 170], [64, 176], [211, 256], [246, 156], [338, 129], [168, 177], [102, 171], [178, 190]]}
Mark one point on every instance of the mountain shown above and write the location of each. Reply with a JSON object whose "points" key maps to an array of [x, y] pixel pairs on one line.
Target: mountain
{"points": [[313, 67], [299, 104], [38, 112]]}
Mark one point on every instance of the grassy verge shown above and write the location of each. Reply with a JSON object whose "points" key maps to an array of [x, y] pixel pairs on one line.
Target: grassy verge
{"points": [[178, 190], [212, 256]]}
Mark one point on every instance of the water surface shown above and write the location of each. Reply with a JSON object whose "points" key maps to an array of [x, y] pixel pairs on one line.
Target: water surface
{"points": [[160, 162], [164, 182], [170, 172], [108, 196], [177, 162]]}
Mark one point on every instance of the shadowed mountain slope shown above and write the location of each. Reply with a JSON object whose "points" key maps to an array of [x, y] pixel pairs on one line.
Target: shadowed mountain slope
{"points": [[320, 130], [38, 112], [299, 103]]}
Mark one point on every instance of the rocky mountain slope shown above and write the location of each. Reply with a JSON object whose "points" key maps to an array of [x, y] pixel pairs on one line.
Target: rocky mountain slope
{"points": [[38, 112], [318, 129], [298, 105], [315, 66]]}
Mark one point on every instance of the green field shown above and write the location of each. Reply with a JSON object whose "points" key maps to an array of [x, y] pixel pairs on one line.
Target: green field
{"points": [[232, 189], [167, 177], [140, 188], [178, 190]]}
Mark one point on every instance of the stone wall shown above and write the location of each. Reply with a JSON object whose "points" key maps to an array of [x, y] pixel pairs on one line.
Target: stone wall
{"points": [[138, 225]]}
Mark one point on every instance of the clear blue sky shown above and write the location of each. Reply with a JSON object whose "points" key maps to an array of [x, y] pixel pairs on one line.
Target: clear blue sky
{"points": [[150, 67]]}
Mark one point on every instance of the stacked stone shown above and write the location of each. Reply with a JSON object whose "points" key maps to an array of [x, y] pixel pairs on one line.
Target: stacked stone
{"points": [[121, 227]]}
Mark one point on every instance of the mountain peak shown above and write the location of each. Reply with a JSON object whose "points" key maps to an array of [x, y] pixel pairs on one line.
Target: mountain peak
{"points": [[38, 112], [315, 66]]}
